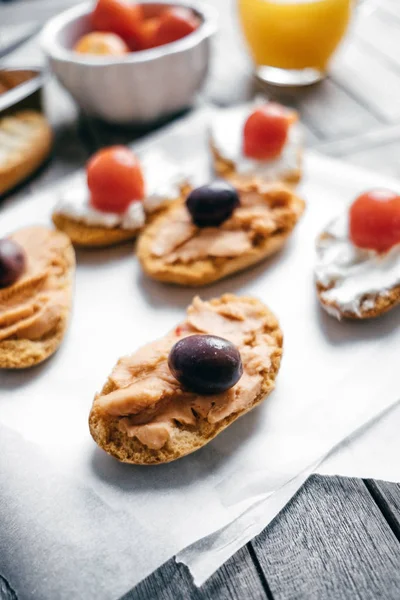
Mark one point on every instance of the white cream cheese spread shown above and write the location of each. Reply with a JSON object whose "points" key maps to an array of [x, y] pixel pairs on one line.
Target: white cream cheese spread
{"points": [[163, 181]]}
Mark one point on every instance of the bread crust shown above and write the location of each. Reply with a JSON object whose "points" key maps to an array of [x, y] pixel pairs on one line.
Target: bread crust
{"points": [[206, 271], [87, 236], [95, 236], [26, 160], [23, 353], [226, 169], [185, 439], [381, 303]]}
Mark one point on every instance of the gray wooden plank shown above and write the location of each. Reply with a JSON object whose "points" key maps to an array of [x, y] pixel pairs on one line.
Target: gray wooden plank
{"points": [[391, 7], [236, 580], [69, 149], [387, 497], [6, 591], [98, 134], [383, 158], [330, 542], [37, 10], [391, 493], [332, 113], [374, 138], [380, 32], [377, 150], [369, 78], [231, 73]]}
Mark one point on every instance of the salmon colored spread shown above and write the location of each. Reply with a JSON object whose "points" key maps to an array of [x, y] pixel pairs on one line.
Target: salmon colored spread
{"points": [[261, 214], [33, 306], [147, 397]]}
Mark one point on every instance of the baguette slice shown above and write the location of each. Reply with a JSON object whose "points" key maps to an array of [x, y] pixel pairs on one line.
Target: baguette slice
{"points": [[226, 168], [18, 350], [96, 236], [87, 236], [25, 142], [371, 306], [282, 210], [261, 334]]}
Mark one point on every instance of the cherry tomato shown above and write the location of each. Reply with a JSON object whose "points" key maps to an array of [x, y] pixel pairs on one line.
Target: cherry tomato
{"points": [[266, 130], [147, 33], [115, 179], [375, 220], [101, 43], [175, 23], [118, 16]]}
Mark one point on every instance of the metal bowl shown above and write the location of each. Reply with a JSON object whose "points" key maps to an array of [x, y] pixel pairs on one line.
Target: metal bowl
{"points": [[138, 87]]}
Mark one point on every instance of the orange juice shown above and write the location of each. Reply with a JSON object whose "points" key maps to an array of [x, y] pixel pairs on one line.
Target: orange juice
{"points": [[294, 34]]}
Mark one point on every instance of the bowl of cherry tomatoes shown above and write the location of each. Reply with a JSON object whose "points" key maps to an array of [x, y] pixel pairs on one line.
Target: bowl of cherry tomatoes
{"points": [[128, 62]]}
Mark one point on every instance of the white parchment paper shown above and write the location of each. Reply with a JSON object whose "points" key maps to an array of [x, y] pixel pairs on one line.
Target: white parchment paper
{"points": [[373, 454], [96, 512]]}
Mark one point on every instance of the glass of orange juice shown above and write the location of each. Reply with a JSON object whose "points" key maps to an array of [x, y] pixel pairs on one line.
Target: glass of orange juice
{"points": [[291, 41]]}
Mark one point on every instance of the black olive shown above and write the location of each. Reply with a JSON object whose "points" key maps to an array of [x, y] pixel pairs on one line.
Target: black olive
{"points": [[205, 364], [12, 262], [212, 204]]}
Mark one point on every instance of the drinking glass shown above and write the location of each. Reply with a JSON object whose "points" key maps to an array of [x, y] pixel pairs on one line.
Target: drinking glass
{"points": [[292, 41]]}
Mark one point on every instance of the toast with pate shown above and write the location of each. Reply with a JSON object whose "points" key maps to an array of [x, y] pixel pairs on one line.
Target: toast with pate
{"points": [[174, 249], [145, 415], [35, 304]]}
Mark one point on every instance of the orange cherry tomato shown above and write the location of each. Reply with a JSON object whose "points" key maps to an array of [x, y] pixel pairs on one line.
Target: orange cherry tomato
{"points": [[101, 43], [266, 130], [115, 179], [147, 33], [175, 23], [375, 220], [119, 16]]}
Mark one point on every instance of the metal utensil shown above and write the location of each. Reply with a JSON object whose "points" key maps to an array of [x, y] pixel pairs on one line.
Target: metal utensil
{"points": [[28, 82]]}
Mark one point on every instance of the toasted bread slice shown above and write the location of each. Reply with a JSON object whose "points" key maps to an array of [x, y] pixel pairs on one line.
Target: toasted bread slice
{"points": [[282, 211], [84, 235], [371, 305], [18, 351], [186, 438], [226, 169], [25, 142]]}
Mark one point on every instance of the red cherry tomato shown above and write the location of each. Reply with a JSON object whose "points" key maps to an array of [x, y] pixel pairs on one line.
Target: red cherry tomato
{"points": [[118, 16], [115, 179], [266, 130], [147, 33], [375, 220], [175, 23]]}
